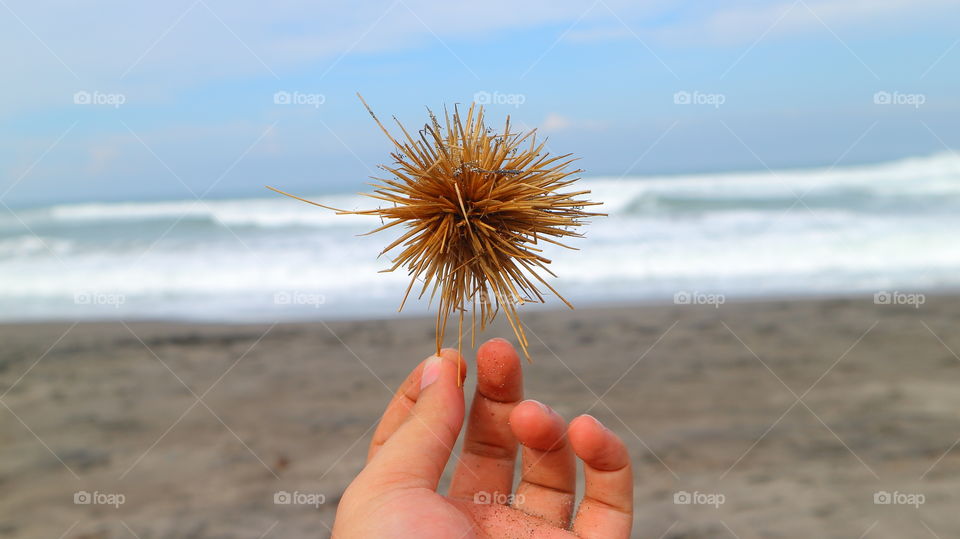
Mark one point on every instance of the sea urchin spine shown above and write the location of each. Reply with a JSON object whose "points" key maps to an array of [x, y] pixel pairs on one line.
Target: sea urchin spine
{"points": [[475, 206]]}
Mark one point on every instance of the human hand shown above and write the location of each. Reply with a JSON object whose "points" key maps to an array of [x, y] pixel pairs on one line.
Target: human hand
{"points": [[395, 495]]}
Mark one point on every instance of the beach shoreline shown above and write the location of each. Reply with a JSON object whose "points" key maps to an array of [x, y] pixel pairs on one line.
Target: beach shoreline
{"points": [[798, 411]]}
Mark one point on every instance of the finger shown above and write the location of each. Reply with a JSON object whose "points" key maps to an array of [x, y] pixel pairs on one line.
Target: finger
{"points": [[607, 506], [489, 446], [548, 477], [398, 410], [417, 452]]}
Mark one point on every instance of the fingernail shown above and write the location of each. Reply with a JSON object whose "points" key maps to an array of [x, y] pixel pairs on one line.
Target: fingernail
{"points": [[431, 371], [542, 406], [596, 421]]}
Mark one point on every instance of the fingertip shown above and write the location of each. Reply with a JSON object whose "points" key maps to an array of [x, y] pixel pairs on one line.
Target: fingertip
{"points": [[586, 421], [597, 445], [448, 366], [497, 349], [497, 340], [529, 412], [452, 356], [499, 372], [536, 425]]}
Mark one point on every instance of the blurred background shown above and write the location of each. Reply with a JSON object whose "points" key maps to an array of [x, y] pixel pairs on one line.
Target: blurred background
{"points": [[745, 148], [755, 157]]}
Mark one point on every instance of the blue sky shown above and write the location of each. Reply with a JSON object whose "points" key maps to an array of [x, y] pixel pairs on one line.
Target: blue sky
{"points": [[773, 84]]}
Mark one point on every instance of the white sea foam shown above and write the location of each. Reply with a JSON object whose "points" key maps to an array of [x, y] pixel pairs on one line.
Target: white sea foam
{"points": [[840, 230]]}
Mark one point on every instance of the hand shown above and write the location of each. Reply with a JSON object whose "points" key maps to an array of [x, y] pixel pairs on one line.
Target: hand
{"points": [[395, 495]]}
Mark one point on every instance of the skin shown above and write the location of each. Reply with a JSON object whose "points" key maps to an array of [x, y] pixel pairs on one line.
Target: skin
{"points": [[395, 495]]}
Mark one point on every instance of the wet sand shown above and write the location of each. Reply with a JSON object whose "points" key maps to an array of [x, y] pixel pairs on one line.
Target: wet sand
{"points": [[793, 413]]}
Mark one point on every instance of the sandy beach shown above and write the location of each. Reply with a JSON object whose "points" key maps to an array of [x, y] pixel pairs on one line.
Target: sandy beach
{"points": [[775, 419]]}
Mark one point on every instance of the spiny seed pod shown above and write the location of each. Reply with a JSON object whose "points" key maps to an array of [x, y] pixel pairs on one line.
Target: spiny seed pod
{"points": [[475, 206]]}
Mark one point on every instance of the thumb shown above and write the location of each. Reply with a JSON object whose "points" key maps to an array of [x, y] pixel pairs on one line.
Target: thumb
{"points": [[416, 454]]}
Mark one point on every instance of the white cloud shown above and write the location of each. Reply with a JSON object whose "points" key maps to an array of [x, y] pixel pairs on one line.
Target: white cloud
{"points": [[556, 122], [599, 33], [107, 37], [101, 158], [164, 47], [158, 48], [743, 21], [747, 22]]}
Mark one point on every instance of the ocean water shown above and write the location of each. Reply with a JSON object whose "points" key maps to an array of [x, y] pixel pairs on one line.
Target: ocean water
{"points": [[847, 230]]}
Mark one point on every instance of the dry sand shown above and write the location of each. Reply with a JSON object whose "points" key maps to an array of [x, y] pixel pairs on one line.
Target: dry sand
{"points": [[706, 398]]}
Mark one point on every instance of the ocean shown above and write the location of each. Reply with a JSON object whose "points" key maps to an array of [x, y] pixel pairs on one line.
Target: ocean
{"points": [[888, 228]]}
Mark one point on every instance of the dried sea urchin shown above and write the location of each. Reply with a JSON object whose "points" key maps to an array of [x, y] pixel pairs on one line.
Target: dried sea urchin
{"points": [[475, 205]]}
